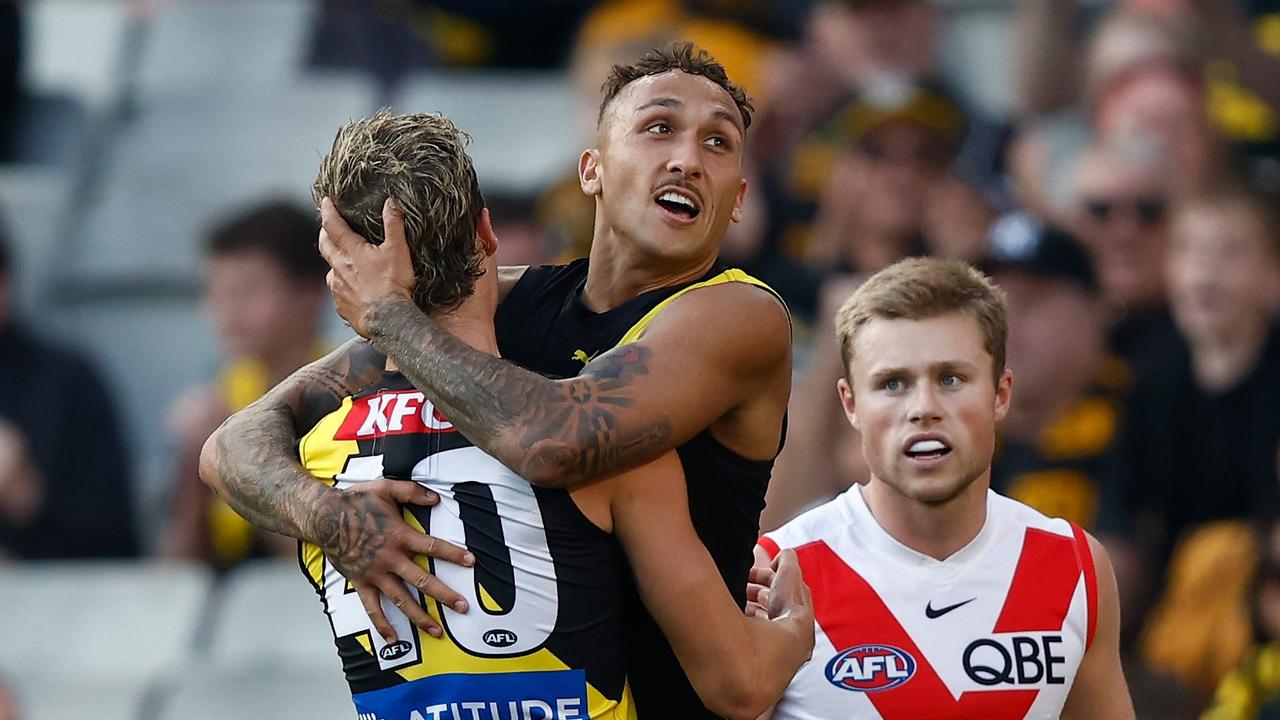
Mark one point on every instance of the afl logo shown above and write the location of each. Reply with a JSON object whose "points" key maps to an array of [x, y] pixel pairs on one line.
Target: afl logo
{"points": [[868, 668], [395, 650], [500, 638]]}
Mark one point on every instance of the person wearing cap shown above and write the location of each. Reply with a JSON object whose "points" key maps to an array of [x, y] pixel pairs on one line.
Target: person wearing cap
{"points": [[852, 195], [1054, 450]]}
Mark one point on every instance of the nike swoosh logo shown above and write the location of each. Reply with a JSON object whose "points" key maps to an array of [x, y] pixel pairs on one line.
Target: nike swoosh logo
{"points": [[931, 613]]}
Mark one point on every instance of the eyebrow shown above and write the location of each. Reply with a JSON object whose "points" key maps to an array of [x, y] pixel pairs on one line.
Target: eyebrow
{"points": [[963, 366], [666, 102], [676, 104]]}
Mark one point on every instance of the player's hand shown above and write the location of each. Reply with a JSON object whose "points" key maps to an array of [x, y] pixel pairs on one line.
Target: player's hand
{"points": [[363, 273], [363, 533], [759, 579], [789, 598]]}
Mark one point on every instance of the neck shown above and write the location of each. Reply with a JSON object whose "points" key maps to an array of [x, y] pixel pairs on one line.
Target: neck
{"points": [[1223, 360], [937, 530], [473, 328], [617, 272]]}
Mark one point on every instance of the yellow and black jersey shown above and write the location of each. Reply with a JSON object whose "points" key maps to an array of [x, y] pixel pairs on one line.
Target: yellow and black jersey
{"points": [[544, 326], [541, 639]]}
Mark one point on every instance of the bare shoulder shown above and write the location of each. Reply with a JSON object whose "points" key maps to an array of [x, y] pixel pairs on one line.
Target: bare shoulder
{"points": [[508, 276], [737, 318]]}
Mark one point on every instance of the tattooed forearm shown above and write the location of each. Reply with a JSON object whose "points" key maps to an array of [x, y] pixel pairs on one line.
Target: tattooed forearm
{"points": [[554, 433], [251, 461]]}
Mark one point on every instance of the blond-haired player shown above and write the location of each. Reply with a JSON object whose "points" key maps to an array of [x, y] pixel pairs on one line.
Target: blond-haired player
{"points": [[934, 597]]}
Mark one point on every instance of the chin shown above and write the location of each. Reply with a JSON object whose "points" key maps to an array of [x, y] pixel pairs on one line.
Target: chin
{"points": [[936, 490]]}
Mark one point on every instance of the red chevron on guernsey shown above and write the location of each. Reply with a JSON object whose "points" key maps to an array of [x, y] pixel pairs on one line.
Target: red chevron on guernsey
{"points": [[394, 412], [851, 613]]}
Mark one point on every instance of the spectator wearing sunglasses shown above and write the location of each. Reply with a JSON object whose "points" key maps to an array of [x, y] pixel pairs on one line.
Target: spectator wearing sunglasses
{"points": [[1120, 211]]}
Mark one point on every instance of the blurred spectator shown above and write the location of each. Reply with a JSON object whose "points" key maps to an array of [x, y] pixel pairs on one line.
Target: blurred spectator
{"points": [[64, 490], [1201, 629], [1144, 85], [1223, 55], [1201, 430], [1120, 212], [11, 48], [851, 198], [265, 290], [1055, 443], [521, 238], [1252, 690], [846, 47], [960, 210]]}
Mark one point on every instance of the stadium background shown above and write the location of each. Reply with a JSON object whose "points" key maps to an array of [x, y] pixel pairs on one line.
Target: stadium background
{"points": [[139, 127]]}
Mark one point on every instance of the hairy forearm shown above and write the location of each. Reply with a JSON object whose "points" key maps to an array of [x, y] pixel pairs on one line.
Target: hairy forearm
{"points": [[553, 432]]}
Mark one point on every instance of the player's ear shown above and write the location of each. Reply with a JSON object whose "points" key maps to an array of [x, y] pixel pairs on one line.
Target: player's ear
{"points": [[737, 204], [846, 401], [485, 237], [1004, 392], [589, 172]]}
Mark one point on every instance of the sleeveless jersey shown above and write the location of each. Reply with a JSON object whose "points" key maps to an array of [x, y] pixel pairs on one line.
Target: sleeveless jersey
{"points": [[996, 631], [541, 639], [543, 325]]}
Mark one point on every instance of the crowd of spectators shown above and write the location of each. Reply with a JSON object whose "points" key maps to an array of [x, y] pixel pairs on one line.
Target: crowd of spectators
{"points": [[1125, 202]]}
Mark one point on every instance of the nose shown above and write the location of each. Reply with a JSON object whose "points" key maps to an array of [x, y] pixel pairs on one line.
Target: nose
{"points": [[924, 408], [686, 157]]}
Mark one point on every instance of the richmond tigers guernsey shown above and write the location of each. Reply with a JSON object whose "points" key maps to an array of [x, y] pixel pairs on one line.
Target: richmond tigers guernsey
{"points": [[541, 640], [997, 631], [543, 325]]}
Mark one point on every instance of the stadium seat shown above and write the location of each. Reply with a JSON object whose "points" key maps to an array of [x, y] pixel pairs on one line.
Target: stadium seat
{"points": [[523, 124], [188, 159], [108, 621], [267, 615], [73, 699], [77, 47], [224, 45], [257, 694]]}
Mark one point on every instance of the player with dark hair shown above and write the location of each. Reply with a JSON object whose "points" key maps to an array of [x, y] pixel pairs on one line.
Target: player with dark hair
{"points": [[935, 597], [648, 345]]}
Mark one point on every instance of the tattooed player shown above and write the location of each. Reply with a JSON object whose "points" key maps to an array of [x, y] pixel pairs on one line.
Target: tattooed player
{"points": [[646, 346], [539, 632]]}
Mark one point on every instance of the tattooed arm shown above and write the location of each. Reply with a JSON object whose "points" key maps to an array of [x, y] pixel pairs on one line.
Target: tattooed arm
{"points": [[251, 461], [719, 350], [718, 358]]}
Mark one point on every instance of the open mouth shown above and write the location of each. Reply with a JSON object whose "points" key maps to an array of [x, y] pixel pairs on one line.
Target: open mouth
{"points": [[678, 204], [928, 450]]}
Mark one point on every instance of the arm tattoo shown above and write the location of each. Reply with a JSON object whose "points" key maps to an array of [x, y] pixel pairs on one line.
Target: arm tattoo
{"points": [[256, 464], [556, 433]]}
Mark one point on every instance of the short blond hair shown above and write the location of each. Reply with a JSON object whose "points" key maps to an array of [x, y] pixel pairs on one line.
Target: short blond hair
{"points": [[420, 161], [923, 288]]}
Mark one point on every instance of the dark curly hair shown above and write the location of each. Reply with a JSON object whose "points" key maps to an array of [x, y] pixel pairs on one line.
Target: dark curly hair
{"points": [[683, 56], [420, 161]]}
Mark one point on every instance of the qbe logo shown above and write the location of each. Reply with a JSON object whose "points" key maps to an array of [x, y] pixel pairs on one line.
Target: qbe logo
{"points": [[869, 668]]}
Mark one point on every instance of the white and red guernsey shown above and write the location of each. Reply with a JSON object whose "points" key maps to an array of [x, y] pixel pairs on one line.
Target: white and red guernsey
{"points": [[994, 632]]}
